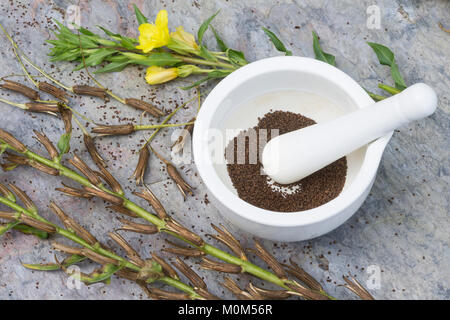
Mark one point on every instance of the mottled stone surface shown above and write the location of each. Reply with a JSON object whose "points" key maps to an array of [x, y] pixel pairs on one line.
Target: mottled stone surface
{"points": [[402, 228]]}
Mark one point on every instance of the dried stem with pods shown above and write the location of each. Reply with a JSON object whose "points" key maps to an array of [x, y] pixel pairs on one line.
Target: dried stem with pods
{"points": [[26, 218], [237, 262]]}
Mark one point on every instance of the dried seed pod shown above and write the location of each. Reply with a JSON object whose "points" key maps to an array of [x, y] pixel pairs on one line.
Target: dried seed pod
{"points": [[175, 227], [182, 185], [254, 293], [42, 107], [78, 163], [6, 193], [138, 227], [148, 195], [267, 294], [193, 277], [178, 145], [53, 90], [113, 130], [96, 257], [183, 251], [160, 294], [70, 223], [110, 180], [238, 292], [306, 293], [23, 197], [74, 192], [165, 266], [66, 116], [270, 260], [89, 91], [95, 156], [231, 242], [48, 145], [16, 159], [67, 249], [144, 106], [220, 266], [104, 195], [141, 166], [123, 210], [298, 272], [37, 224], [12, 141], [7, 215], [354, 286], [20, 88], [131, 253], [127, 274], [205, 294], [43, 168]]}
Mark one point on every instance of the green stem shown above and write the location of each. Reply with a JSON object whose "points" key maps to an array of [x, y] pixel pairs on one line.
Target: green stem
{"points": [[18, 105], [158, 126], [205, 62], [160, 223], [389, 89]]}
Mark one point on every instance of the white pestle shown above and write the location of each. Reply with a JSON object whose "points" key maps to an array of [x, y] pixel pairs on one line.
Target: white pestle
{"points": [[295, 155]]}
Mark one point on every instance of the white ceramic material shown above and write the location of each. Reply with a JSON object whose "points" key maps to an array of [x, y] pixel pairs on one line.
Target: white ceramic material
{"points": [[295, 155], [249, 93]]}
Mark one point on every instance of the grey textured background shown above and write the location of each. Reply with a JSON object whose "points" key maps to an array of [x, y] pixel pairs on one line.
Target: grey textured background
{"points": [[403, 227]]}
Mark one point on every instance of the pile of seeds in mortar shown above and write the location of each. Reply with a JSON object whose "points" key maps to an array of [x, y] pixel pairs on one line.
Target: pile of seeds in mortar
{"points": [[259, 190]]}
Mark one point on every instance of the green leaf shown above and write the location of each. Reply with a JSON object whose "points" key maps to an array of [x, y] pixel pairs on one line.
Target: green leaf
{"points": [[320, 54], [54, 266], [113, 67], [8, 226], [386, 57], [220, 43], [277, 42], [96, 58], [31, 231], [159, 59], [236, 57], [64, 144], [204, 53], [139, 16], [212, 75], [204, 26]]}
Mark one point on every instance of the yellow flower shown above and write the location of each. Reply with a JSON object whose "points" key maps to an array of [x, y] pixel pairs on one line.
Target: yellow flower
{"points": [[157, 75], [184, 37], [154, 35]]}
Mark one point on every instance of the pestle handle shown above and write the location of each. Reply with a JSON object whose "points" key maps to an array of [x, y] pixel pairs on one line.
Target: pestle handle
{"points": [[295, 155]]}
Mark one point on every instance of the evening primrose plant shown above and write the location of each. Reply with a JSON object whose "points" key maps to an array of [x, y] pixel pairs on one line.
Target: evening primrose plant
{"points": [[168, 55]]}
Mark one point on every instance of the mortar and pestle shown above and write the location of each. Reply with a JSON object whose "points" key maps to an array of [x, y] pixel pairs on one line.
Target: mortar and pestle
{"points": [[349, 124]]}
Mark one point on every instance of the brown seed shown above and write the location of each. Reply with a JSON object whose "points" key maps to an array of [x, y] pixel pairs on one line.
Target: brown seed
{"points": [[23, 197], [145, 106], [123, 210], [90, 91], [66, 116], [165, 266], [270, 260], [131, 253], [78, 163], [74, 192], [70, 223], [175, 227], [67, 249], [141, 166], [48, 145], [110, 180], [42, 107], [220, 266], [95, 156], [105, 195], [13, 142], [193, 277], [353, 285], [53, 90], [20, 88], [234, 288], [138, 227], [231, 242], [183, 251], [148, 195], [119, 129]]}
